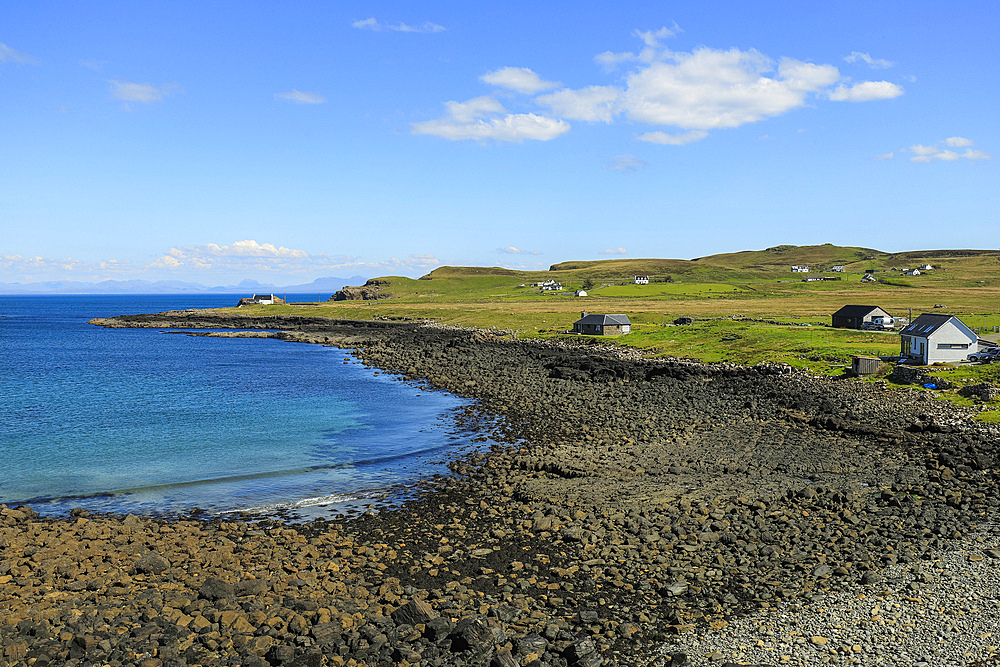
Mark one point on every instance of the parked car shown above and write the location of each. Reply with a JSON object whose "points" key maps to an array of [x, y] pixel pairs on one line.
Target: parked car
{"points": [[985, 355], [879, 324]]}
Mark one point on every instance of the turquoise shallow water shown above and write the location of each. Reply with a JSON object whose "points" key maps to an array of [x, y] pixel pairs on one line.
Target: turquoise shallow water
{"points": [[137, 420]]}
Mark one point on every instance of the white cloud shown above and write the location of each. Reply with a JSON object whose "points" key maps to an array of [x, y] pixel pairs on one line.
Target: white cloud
{"points": [[651, 48], [594, 103], [9, 55], [378, 26], [958, 142], [520, 79], [299, 97], [866, 91], [874, 63], [678, 139], [479, 119], [413, 261], [248, 248], [146, 93], [695, 92], [709, 89], [885, 156], [924, 154], [624, 163], [615, 251], [511, 250]]}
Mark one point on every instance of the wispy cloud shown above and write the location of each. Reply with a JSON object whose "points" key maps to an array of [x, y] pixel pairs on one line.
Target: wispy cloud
{"points": [[942, 152], [300, 97], [9, 55], [866, 91], [211, 262], [615, 251], [144, 93], [874, 63], [624, 163], [512, 250], [380, 26], [485, 119], [676, 139], [520, 79], [652, 48], [93, 64]]}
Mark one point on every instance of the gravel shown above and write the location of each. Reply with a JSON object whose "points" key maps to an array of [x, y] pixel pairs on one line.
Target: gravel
{"points": [[941, 611]]}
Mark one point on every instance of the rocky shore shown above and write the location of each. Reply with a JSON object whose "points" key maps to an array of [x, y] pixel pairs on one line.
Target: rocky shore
{"points": [[641, 512]]}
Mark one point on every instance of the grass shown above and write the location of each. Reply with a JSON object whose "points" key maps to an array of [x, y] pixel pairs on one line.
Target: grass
{"points": [[723, 293]]}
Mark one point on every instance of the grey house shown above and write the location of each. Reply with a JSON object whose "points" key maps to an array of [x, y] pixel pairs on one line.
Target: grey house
{"points": [[852, 317], [602, 325], [933, 338]]}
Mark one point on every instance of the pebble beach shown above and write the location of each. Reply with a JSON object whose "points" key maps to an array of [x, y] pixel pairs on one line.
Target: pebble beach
{"points": [[634, 512]]}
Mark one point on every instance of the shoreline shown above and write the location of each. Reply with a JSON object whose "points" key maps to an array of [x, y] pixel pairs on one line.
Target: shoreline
{"points": [[645, 499]]}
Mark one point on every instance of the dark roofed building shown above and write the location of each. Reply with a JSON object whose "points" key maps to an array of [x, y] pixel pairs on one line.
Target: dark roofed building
{"points": [[852, 317], [602, 325]]}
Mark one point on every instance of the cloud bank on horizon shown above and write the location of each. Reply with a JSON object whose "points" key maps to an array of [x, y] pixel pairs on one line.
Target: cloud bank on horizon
{"points": [[693, 93], [233, 261]]}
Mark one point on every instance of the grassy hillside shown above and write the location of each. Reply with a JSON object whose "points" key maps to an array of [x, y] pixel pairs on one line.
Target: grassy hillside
{"points": [[736, 299], [781, 258]]}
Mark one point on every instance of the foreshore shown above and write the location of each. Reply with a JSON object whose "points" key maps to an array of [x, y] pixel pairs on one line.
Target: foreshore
{"points": [[636, 504]]}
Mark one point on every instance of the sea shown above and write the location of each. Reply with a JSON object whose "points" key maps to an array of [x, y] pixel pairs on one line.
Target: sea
{"points": [[156, 423]]}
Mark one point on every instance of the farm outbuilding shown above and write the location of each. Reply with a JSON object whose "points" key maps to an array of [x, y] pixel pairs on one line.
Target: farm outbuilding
{"points": [[593, 324], [934, 338], [852, 317]]}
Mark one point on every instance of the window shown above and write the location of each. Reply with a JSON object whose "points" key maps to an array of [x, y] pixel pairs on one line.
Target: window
{"points": [[953, 346]]}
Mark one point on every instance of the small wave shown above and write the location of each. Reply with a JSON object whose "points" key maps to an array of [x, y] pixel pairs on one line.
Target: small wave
{"points": [[226, 479]]}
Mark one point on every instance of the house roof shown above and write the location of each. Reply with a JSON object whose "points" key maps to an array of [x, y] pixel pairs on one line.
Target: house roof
{"points": [[604, 320], [928, 323], [855, 311]]}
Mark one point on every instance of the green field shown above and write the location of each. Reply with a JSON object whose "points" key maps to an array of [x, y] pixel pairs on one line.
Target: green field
{"points": [[724, 293]]}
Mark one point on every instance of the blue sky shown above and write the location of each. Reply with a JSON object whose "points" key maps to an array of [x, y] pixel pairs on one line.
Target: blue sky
{"points": [[212, 142]]}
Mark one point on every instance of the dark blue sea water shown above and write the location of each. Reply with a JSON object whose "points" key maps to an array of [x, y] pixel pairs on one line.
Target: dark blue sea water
{"points": [[138, 420]]}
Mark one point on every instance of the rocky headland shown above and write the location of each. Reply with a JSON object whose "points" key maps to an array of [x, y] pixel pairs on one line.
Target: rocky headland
{"points": [[635, 505]]}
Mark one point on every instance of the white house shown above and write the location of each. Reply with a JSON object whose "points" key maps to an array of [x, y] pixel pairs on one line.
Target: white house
{"points": [[641, 280], [258, 300], [925, 267], [914, 272], [800, 269], [838, 268], [933, 338]]}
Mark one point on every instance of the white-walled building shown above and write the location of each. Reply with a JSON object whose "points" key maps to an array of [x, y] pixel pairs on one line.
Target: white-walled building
{"points": [[933, 338]]}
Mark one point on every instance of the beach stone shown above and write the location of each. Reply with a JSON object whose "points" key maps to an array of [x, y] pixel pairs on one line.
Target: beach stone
{"points": [[215, 588], [438, 628], [414, 612], [152, 563], [579, 649], [503, 658], [472, 634], [531, 643], [250, 587], [326, 633]]}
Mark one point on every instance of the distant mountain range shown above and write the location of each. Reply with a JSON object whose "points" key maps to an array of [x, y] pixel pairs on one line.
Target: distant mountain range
{"points": [[247, 287]]}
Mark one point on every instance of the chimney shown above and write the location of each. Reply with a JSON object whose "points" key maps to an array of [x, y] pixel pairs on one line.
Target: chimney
{"points": [[583, 314]]}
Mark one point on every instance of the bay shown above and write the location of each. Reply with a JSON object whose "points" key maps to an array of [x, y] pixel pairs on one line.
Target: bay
{"points": [[143, 421]]}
